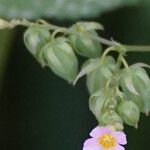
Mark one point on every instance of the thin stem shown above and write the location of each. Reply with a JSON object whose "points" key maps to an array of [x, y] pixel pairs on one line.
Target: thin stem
{"points": [[42, 23], [16, 22], [136, 48], [59, 30], [107, 84], [124, 62], [119, 62], [103, 40], [109, 49]]}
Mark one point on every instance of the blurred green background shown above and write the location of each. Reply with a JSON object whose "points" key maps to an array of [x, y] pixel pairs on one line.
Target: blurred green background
{"points": [[40, 111]]}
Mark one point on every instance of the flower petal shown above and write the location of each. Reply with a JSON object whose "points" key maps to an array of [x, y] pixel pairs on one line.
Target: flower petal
{"points": [[119, 147], [99, 131], [121, 137], [95, 147], [90, 142]]}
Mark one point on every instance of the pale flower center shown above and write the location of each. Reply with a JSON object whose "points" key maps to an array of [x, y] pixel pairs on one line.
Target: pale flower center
{"points": [[107, 141]]}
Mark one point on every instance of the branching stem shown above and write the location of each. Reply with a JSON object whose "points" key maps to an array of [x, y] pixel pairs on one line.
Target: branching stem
{"points": [[42, 23]]}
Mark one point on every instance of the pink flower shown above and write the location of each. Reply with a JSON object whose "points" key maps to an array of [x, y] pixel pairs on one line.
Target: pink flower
{"points": [[105, 139]]}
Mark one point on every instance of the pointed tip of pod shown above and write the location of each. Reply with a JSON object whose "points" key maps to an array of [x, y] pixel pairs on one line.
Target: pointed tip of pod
{"points": [[136, 126], [75, 81], [147, 114]]}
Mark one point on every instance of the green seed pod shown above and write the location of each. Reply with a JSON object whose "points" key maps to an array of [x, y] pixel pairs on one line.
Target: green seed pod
{"points": [[35, 38], [82, 41], [85, 46], [134, 97], [98, 78], [61, 59], [136, 86], [129, 112], [140, 79], [111, 118]]}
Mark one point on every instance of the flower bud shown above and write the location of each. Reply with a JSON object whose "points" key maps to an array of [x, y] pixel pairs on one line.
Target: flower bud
{"points": [[129, 112], [35, 38], [61, 59], [98, 78]]}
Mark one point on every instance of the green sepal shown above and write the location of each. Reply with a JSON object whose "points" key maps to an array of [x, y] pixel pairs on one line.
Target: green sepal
{"points": [[61, 59], [98, 78], [111, 118], [140, 79], [82, 40], [129, 112], [96, 103], [88, 67], [136, 84], [88, 26], [35, 38], [141, 82], [141, 65]]}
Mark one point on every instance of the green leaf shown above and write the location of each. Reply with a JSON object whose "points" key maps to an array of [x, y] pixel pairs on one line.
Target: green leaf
{"points": [[61, 9]]}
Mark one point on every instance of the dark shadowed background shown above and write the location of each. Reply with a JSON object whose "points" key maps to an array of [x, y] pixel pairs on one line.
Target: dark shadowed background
{"points": [[40, 111]]}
